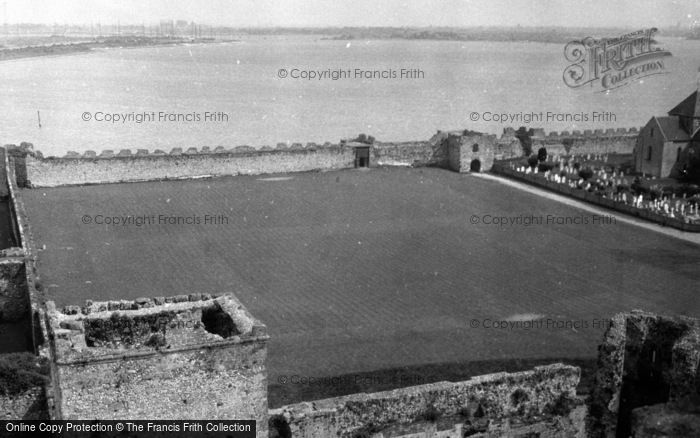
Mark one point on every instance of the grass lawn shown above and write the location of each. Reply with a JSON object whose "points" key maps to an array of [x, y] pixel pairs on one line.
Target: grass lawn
{"points": [[355, 272]]}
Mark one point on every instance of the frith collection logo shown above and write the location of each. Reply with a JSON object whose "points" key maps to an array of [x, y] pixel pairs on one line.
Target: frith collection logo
{"points": [[610, 63]]}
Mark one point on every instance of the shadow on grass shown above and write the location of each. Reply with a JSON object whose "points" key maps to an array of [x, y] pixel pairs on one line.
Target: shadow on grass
{"points": [[289, 389]]}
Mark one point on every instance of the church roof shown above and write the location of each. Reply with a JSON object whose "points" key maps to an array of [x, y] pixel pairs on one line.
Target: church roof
{"points": [[671, 129], [685, 108]]}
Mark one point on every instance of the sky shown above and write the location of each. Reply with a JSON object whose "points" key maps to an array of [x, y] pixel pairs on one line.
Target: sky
{"points": [[317, 13]]}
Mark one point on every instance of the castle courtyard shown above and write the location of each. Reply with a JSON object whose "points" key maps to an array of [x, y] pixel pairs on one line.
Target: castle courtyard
{"points": [[356, 271]]}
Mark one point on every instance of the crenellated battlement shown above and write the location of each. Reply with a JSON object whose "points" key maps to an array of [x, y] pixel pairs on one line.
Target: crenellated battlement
{"points": [[176, 152], [587, 134], [595, 134], [90, 167], [506, 135], [33, 169], [589, 141]]}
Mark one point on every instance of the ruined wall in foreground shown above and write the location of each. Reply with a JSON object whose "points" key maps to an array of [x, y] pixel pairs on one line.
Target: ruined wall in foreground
{"points": [[23, 377], [541, 402], [26, 405], [183, 357], [89, 168], [647, 377], [14, 297]]}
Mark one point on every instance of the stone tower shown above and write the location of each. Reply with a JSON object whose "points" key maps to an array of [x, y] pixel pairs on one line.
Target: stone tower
{"points": [[470, 151], [185, 357]]}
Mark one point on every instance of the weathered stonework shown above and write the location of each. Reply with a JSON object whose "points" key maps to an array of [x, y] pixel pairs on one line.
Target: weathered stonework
{"points": [[33, 170], [609, 141], [28, 405], [51, 172], [14, 299], [192, 356], [668, 420], [645, 359], [418, 153], [23, 377], [470, 151], [541, 401]]}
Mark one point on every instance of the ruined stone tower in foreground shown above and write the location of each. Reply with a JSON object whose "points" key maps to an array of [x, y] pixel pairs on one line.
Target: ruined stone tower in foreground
{"points": [[180, 357]]}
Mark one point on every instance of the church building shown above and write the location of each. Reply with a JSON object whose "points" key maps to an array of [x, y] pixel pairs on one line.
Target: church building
{"points": [[662, 145]]}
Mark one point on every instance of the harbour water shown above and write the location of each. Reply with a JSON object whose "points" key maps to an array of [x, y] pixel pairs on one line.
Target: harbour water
{"points": [[239, 85]]}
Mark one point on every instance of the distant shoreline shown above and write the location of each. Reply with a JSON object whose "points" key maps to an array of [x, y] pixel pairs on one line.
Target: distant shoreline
{"points": [[56, 45], [59, 49], [539, 34]]}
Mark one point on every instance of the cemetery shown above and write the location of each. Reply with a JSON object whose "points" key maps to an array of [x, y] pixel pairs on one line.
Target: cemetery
{"points": [[609, 180]]}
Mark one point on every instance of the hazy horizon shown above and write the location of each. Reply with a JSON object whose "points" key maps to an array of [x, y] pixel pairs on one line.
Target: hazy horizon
{"points": [[358, 13]]}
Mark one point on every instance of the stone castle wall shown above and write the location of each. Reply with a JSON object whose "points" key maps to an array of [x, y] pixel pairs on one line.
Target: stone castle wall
{"points": [[599, 141], [34, 170], [28, 398], [125, 167], [417, 153], [541, 402], [14, 299], [196, 356]]}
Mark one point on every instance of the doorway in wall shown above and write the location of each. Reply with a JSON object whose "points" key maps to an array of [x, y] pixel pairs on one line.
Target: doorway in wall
{"points": [[362, 156], [475, 166]]}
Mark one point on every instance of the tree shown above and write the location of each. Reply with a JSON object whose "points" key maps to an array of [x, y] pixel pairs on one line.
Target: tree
{"points": [[691, 168], [585, 173], [532, 161], [544, 167], [525, 141], [542, 154], [568, 143]]}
